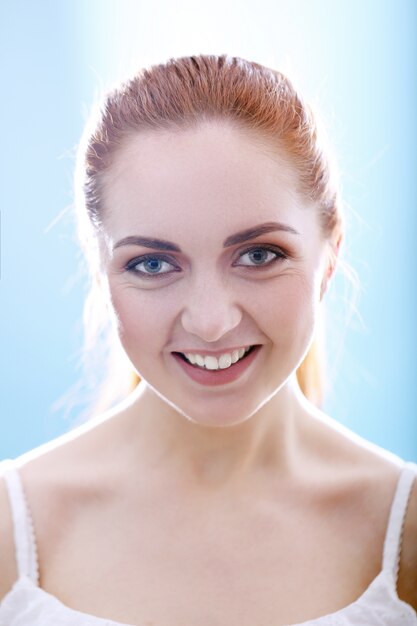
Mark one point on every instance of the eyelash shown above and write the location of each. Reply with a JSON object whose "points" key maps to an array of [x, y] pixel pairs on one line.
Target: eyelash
{"points": [[280, 255], [130, 267]]}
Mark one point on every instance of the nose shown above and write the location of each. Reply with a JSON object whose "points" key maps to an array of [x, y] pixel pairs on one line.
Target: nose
{"points": [[210, 311]]}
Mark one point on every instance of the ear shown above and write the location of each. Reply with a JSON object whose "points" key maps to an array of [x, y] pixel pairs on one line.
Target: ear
{"points": [[333, 254]]}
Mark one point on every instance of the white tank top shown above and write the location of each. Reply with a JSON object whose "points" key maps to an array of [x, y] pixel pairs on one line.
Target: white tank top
{"points": [[27, 604]]}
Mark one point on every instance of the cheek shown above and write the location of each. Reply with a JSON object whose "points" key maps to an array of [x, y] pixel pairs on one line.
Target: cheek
{"points": [[138, 319], [289, 309]]}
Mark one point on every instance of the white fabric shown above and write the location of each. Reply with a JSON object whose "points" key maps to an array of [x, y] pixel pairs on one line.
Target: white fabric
{"points": [[27, 604], [24, 536], [392, 543]]}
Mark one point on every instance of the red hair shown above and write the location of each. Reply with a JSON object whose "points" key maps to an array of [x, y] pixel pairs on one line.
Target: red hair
{"points": [[186, 91]]}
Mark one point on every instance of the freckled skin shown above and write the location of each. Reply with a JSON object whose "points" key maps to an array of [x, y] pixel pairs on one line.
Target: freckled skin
{"points": [[195, 188]]}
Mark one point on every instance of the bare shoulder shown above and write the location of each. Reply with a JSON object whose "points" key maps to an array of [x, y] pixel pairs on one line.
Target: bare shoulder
{"points": [[56, 477], [8, 566], [370, 471], [60, 479], [374, 472], [63, 480], [45, 482], [407, 577]]}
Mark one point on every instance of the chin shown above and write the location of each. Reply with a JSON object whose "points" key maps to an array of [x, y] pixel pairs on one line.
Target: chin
{"points": [[222, 413]]}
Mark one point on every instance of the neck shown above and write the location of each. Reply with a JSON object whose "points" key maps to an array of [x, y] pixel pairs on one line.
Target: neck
{"points": [[212, 457]]}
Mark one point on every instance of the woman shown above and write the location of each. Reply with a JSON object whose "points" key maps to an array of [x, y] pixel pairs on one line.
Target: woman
{"points": [[217, 493]]}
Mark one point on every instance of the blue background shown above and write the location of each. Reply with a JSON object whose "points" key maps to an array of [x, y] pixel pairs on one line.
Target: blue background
{"points": [[355, 59]]}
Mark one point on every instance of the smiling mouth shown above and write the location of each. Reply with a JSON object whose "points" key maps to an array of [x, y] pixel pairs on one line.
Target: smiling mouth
{"points": [[212, 363]]}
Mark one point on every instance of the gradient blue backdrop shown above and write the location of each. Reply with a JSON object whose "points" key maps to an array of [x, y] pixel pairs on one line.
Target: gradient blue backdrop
{"points": [[356, 59]]}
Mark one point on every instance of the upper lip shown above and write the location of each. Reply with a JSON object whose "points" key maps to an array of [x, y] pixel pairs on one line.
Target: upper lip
{"points": [[215, 352]]}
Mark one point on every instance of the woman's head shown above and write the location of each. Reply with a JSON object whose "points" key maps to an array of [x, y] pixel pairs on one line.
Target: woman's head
{"points": [[235, 139]]}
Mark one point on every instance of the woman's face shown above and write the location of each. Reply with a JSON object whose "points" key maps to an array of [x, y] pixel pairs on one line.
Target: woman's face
{"points": [[209, 250]]}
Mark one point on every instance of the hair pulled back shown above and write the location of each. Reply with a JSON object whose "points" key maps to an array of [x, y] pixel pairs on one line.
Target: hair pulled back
{"points": [[187, 91]]}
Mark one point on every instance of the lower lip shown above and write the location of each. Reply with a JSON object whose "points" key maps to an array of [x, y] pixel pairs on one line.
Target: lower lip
{"points": [[212, 378]]}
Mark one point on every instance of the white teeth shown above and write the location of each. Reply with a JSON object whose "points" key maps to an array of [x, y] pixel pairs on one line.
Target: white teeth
{"points": [[214, 363], [199, 360], [225, 361], [211, 363]]}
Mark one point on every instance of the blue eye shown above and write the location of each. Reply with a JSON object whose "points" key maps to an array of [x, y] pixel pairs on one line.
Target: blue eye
{"points": [[261, 256], [151, 265]]}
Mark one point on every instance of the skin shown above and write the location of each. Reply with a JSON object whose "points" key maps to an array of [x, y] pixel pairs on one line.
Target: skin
{"points": [[244, 497], [217, 299]]}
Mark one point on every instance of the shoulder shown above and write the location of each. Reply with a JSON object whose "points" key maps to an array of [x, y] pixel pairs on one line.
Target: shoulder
{"points": [[52, 492], [62, 480], [407, 577], [8, 567], [358, 468], [374, 473]]}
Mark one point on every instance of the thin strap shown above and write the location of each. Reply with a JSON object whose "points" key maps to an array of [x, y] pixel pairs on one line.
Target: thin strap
{"points": [[393, 537], [24, 536]]}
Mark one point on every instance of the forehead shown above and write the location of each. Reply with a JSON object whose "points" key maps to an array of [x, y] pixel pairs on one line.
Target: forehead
{"points": [[214, 176]]}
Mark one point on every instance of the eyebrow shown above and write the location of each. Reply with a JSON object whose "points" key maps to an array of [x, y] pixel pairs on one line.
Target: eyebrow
{"points": [[240, 237], [147, 242], [256, 231]]}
